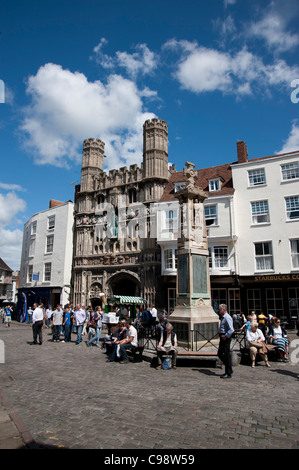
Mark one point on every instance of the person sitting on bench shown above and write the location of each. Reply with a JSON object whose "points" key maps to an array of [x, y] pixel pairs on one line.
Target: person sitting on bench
{"points": [[167, 346]]}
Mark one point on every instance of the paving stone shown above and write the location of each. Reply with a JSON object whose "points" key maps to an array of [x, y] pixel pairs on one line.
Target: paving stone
{"points": [[68, 396]]}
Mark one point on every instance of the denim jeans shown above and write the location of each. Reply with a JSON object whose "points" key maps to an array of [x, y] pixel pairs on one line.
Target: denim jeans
{"points": [[67, 333], [79, 333], [96, 337], [123, 351]]}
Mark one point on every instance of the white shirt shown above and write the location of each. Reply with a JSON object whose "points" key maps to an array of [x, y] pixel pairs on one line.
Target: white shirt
{"points": [[49, 313], [38, 314], [277, 332], [254, 336], [154, 313], [133, 332]]}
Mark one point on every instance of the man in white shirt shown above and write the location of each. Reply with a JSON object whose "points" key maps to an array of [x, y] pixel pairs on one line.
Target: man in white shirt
{"points": [[79, 315], [49, 313], [129, 342], [37, 320], [154, 314], [57, 322]]}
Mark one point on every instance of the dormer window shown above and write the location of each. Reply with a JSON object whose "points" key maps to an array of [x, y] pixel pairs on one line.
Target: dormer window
{"points": [[214, 184], [179, 186]]}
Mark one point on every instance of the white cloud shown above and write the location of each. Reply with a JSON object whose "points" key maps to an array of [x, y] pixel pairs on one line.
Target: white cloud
{"points": [[292, 142], [200, 69], [273, 26], [10, 205], [10, 239], [11, 187], [142, 62], [66, 109], [11, 247]]}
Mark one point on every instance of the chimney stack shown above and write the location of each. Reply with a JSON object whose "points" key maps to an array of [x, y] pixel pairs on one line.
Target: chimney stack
{"points": [[242, 151]]}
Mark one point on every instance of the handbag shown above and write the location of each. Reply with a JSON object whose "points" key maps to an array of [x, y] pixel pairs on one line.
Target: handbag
{"points": [[167, 364], [257, 345]]}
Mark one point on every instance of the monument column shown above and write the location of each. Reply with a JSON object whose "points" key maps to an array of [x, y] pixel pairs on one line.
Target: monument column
{"points": [[193, 311]]}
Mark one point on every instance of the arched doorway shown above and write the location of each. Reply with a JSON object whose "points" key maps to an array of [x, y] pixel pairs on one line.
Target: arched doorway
{"points": [[96, 295], [124, 283]]}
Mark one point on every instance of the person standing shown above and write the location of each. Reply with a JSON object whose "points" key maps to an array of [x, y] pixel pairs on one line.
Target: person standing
{"points": [[49, 313], [37, 323], [226, 330], [98, 316], [7, 316], [79, 316], [57, 322], [67, 325], [30, 313]]}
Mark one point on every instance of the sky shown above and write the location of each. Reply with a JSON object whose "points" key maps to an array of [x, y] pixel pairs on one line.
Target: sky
{"points": [[216, 71]]}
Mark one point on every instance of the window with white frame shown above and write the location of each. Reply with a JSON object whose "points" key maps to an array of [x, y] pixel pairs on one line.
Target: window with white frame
{"points": [[51, 222], [170, 259], [292, 207], [290, 171], [260, 212], [33, 228], [263, 256], [47, 271], [30, 273], [50, 244], [214, 184], [171, 220], [211, 215], [256, 177], [295, 253], [218, 257]]}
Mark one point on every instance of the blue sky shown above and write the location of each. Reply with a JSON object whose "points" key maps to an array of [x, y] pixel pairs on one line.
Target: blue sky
{"points": [[216, 71]]}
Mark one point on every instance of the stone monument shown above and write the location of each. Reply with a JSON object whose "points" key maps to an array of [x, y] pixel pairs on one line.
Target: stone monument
{"points": [[193, 311]]}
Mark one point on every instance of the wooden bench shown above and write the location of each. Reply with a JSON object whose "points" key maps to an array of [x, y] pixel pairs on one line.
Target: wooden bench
{"points": [[245, 353], [200, 354]]}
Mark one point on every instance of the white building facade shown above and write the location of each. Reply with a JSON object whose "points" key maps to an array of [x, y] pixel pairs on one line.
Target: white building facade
{"points": [[47, 252], [252, 219], [266, 204]]}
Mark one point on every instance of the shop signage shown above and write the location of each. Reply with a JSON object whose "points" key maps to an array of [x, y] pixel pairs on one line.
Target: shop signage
{"points": [[277, 277]]}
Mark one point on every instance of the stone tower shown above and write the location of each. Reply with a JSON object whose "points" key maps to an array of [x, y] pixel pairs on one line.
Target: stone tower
{"points": [[92, 163], [155, 149]]}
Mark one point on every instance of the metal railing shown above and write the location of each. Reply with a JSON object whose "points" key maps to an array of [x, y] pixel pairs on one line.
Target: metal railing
{"points": [[188, 340]]}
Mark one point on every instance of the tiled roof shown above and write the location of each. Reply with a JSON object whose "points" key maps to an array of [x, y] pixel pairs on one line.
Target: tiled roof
{"points": [[4, 266], [204, 175]]}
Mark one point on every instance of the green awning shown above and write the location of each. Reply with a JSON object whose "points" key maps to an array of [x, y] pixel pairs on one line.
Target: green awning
{"points": [[127, 299]]}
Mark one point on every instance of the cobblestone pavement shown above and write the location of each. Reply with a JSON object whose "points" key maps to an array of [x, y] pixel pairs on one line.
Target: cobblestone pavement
{"points": [[68, 396]]}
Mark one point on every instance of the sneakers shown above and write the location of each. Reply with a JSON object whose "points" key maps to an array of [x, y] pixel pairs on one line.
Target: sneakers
{"points": [[158, 367]]}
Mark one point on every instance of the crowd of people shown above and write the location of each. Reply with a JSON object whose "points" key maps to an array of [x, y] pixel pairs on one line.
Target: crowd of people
{"points": [[63, 321], [260, 331]]}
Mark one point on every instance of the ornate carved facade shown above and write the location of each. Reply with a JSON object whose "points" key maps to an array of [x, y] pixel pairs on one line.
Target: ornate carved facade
{"points": [[113, 250]]}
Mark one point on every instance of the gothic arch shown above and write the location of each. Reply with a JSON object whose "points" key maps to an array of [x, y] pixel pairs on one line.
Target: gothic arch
{"points": [[124, 282]]}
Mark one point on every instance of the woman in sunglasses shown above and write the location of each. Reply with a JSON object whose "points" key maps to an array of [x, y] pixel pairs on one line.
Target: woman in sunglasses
{"points": [[277, 335]]}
